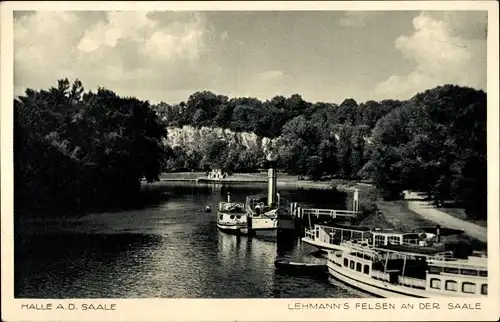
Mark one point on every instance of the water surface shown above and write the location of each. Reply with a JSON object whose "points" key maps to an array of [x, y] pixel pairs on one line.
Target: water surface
{"points": [[170, 250]]}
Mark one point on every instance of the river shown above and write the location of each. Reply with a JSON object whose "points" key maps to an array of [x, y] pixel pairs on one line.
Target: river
{"points": [[169, 250]]}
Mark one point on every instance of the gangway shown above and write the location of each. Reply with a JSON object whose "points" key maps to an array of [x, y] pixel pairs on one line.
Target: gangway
{"points": [[288, 219], [299, 212]]}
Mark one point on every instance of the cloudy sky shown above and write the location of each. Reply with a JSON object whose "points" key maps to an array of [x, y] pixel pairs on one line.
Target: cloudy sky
{"points": [[322, 55]]}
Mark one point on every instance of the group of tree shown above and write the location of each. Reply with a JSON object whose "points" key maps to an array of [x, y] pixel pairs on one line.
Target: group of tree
{"points": [[267, 118], [318, 140], [434, 142], [214, 154], [74, 150]]}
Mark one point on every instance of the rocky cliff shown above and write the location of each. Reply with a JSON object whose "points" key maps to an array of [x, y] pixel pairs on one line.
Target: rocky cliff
{"points": [[191, 137]]}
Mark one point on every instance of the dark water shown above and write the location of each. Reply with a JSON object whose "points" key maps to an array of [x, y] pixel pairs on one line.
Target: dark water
{"points": [[171, 250]]}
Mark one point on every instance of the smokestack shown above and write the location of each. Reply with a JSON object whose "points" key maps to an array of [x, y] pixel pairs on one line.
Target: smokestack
{"points": [[271, 189]]}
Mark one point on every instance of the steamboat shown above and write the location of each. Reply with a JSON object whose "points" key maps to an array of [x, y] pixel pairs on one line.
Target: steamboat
{"points": [[257, 215], [232, 217], [393, 264]]}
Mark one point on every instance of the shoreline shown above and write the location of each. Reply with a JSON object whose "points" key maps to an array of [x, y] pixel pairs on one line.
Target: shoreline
{"points": [[283, 180]]}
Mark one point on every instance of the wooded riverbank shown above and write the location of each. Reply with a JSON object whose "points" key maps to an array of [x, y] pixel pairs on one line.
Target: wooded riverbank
{"points": [[283, 180]]}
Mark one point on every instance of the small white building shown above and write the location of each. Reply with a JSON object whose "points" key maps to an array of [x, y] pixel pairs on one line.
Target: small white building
{"points": [[216, 174]]}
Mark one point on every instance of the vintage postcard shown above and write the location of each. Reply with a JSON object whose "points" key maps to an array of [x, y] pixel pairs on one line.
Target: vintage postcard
{"points": [[250, 161]]}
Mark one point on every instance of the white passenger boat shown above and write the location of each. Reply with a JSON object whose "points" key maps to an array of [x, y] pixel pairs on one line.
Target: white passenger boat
{"points": [[326, 237], [262, 210], [396, 265], [232, 217], [262, 216]]}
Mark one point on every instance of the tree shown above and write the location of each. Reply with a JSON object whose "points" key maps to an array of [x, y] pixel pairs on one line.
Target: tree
{"points": [[76, 150], [358, 143], [346, 112], [215, 153]]}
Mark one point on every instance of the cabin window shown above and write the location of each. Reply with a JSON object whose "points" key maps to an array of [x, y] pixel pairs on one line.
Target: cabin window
{"points": [[450, 286], [358, 267], [365, 256], [434, 269], [379, 240], [221, 216], [410, 239], [346, 262], [484, 289], [470, 272], [351, 265], [469, 287], [232, 216], [451, 270], [436, 283], [238, 217], [483, 273], [394, 240], [366, 269], [317, 233]]}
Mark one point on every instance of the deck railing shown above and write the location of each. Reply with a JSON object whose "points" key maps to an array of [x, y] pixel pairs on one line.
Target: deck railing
{"points": [[327, 212], [380, 275], [309, 233], [411, 282]]}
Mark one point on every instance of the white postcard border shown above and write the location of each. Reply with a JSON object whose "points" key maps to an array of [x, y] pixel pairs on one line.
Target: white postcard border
{"points": [[253, 309]]}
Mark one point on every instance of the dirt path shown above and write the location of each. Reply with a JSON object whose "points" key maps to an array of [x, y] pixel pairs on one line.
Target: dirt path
{"points": [[426, 210]]}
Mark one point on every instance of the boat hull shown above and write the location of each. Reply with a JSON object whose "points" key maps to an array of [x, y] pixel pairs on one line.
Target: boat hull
{"points": [[383, 288], [301, 268], [233, 229], [325, 247], [369, 285]]}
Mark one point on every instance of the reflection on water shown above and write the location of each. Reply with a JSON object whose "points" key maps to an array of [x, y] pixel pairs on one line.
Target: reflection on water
{"points": [[171, 250]]}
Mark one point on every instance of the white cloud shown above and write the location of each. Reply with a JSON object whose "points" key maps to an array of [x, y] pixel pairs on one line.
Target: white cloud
{"points": [[125, 51], [355, 19], [272, 75], [120, 25], [441, 56], [224, 35]]}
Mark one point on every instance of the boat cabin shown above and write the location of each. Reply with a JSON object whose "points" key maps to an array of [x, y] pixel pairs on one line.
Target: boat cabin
{"points": [[232, 207], [462, 276], [335, 234], [390, 237], [258, 205]]}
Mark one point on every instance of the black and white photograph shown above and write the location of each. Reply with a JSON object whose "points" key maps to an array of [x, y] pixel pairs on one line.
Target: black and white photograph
{"points": [[251, 154]]}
